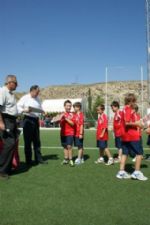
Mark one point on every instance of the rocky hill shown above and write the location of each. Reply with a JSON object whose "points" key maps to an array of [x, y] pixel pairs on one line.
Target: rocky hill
{"points": [[116, 90]]}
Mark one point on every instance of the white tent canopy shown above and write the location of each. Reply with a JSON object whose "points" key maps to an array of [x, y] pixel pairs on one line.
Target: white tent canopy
{"points": [[57, 105]]}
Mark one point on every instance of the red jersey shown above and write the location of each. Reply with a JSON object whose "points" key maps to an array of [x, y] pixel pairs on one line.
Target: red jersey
{"points": [[102, 124], [118, 127], [79, 121], [66, 128], [137, 117], [130, 133]]}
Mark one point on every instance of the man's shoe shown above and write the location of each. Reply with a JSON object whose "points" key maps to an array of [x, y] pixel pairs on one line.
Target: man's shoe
{"points": [[42, 162]]}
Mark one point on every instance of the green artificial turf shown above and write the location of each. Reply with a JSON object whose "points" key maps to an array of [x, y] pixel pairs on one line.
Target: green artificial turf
{"points": [[88, 194]]}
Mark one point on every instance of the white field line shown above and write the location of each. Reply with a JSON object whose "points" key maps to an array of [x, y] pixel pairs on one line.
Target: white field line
{"points": [[88, 148], [58, 128]]}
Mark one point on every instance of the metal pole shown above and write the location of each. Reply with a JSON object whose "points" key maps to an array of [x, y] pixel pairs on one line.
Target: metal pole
{"points": [[148, 47], [142, 96], [106, 89]]}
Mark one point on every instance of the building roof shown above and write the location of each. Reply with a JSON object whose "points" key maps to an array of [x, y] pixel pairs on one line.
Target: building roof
{"points": [[57, 105]]}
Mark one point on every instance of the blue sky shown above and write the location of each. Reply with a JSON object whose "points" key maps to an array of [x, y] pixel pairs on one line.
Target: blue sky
{"points": [[50, 42]]}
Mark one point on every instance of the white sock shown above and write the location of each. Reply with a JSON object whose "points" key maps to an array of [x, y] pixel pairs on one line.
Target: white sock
{"points": [[136, 171], [121, 171]]}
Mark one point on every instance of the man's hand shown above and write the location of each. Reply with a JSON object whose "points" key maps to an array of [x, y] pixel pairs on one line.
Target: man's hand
{"points": [[27, 110], [2, 125]]}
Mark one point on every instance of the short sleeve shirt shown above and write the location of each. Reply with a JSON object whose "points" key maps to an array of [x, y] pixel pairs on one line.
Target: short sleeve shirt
{"points": [[102, 124], [7, 102], [66, 128]]}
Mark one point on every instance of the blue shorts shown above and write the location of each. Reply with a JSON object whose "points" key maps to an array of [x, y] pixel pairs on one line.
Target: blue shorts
{"points": [[102, 144], [78, 142], [118, 142], [66, 140], [132, 148], [148, 140]]}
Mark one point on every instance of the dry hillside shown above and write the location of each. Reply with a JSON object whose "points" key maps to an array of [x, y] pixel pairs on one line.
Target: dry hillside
{"points": [[116, 90]]}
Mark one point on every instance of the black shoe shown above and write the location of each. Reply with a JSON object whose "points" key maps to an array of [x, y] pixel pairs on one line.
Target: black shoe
{"points": [[4, 176], [29, 163], [42, 162]]}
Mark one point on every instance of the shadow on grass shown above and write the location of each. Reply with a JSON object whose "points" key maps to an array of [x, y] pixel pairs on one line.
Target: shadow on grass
{"points": [[50, 157], [147, 156], [144, 166], [23, 168], [115, 155], [130, 167], [86, 157]]}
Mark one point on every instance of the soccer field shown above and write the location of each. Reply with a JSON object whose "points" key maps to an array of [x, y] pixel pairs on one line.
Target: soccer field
{"points": [[88, 194]]}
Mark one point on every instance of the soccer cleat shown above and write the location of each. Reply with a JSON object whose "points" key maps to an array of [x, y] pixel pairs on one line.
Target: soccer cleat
{"points": [[65, 162], [134, 159], [99, 160], [116, 160], [78, 161], [71, 163], [110, 162], [123, 175], [82, 160], [138, 176]]}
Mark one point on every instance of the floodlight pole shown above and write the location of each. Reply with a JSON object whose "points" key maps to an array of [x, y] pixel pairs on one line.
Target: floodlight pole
{"points": [[147, 4], [142, 88], [106, 90]]}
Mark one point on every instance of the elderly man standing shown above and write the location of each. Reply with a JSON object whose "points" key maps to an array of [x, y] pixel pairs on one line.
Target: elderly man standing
{"points": [[8, 125], [30, 106]]}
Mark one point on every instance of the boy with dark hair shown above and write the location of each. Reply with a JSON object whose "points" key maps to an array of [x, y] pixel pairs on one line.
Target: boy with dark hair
{"points": [[67, 122], [117, 128], [79, 132], [130, 141], [102, 136]]}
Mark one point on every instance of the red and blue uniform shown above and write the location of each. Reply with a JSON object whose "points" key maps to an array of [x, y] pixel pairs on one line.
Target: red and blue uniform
{"points": [[102, 124], [130, 139]]}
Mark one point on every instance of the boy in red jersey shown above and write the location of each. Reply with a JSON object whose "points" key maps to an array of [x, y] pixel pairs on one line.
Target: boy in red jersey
{"points": [[102, 136], [117, 127], [79, 132], [131, 141], [67, 121], [137, 117]]}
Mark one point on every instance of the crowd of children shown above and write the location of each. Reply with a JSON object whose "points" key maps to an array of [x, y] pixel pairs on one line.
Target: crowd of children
{"points": [[127, 128]]}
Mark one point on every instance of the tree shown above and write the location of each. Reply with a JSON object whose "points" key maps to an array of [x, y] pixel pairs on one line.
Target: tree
{"points": [[89, 100], [99, 100]]}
